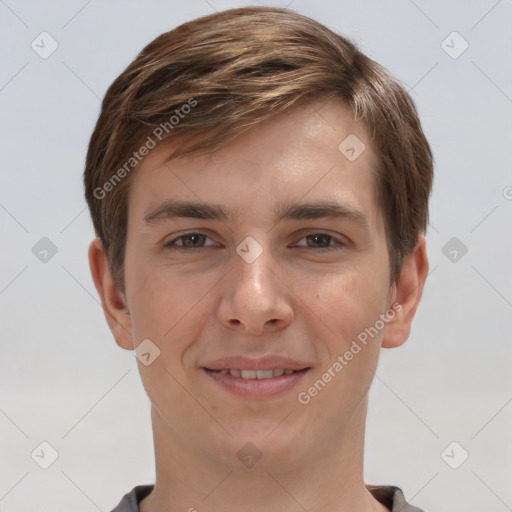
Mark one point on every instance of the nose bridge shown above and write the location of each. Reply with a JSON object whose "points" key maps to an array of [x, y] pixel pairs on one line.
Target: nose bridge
{"points": [[263, 279], [255, 281], [255, 300]]}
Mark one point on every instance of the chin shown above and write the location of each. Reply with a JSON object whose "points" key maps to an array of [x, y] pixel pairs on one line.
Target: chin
{"points": [[268, 449]]}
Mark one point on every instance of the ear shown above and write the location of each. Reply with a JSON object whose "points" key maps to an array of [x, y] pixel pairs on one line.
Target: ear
{"points": [[112, 299], [407, 293]]}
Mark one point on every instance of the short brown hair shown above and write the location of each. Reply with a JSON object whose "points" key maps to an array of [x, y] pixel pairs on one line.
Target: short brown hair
{"points": [[232, 70]]}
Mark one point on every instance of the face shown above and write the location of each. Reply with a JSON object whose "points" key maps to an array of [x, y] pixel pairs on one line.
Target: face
{"points": [[279, 264]]}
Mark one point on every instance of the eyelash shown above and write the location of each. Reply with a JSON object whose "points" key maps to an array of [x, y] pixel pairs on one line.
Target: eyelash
{"points": [[338, 243]]}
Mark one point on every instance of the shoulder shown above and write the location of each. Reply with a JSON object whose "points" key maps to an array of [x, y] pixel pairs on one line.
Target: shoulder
{"points": [[130, 501], [392, 497]]}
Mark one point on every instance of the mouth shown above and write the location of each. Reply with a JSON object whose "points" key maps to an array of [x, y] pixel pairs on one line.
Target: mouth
{"points": [[256, 383], [256, 374]]}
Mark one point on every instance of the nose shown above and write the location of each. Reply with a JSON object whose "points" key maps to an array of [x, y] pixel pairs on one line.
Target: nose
{"points": [[255, 299]]}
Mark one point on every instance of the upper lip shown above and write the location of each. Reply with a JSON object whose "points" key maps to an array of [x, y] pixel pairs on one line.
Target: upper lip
{"points": [[261, 363]]}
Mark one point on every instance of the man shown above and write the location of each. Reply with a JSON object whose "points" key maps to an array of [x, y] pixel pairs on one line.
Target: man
{"points": [[259, 190]]}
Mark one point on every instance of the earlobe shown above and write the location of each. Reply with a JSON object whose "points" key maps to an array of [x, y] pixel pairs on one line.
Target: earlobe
{"points": [[407, 294], [112, 298]]}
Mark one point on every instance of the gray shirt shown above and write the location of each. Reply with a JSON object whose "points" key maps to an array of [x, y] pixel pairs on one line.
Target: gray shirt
{"points": [[390, 496]]}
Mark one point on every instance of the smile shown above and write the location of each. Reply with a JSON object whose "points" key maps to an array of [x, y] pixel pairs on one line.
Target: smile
{"points": [[256, 374], [256, 383]]}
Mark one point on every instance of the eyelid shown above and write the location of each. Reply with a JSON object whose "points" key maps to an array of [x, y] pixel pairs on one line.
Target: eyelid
{"points": [[339, 240], [178, 236]]}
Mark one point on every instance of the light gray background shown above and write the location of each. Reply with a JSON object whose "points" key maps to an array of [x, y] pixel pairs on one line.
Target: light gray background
{"points": [[64, 380]]}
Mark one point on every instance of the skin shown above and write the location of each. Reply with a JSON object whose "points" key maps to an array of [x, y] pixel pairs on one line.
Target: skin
{"points": [[296, 299]]}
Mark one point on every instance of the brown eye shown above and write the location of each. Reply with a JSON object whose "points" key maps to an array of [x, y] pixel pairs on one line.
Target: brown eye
{"points": [[189, 240], [319, 239], [193, 240]]}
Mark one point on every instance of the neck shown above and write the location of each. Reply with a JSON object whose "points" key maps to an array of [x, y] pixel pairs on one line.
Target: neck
{"points": [[329, 480]]}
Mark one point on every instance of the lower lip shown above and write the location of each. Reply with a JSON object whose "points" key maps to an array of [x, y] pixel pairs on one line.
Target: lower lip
{"points": [[256, 387]]}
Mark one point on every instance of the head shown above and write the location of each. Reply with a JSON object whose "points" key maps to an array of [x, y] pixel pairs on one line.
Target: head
{"points": [[251, 114]]}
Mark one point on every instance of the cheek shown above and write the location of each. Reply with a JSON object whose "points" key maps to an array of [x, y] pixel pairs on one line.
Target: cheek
{"points": [[349, 307], [168, 306], [347, 303]]}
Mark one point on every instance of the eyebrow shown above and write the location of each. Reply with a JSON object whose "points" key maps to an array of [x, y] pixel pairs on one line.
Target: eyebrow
{"points": [[296, 211]]}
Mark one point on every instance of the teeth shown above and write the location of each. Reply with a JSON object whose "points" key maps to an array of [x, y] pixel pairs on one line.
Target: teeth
{"points": [[257, 374], [264, 374], [248, 374]]}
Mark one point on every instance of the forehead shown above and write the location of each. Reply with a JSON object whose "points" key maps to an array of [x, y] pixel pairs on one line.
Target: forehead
{"points": [[311, 152]]}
